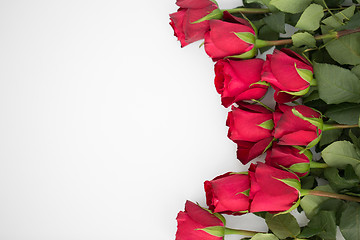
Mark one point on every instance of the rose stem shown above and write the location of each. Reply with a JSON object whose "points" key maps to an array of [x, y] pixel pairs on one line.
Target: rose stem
{"points": [[338, 126], [248, 10], [264, 10], [230, 231], [318, 165], [337, 35], [333, 195]]}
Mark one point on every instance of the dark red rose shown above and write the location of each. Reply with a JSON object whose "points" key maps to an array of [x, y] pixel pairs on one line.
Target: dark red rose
{"points": [[192, 223], [231, 38], [182, 21], [298, 126], [228, 193], [270, 189], [235, 80], [295, 159], [288, 73], [250, 127]]}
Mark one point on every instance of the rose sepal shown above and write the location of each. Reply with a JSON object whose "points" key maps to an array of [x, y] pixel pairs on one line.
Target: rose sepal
{"points": [[217, 231], [317, 122], [215, 14]]}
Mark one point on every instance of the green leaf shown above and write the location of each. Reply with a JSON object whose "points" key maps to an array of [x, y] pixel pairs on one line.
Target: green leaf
{"points": [[328, 137], [264, 2], [356, 70], [329, 3], [345, 113], [345, 50], [264, 236], [336, 84], [305, 38], [307, 182], [341, 153], [350, 221], [338, 183], [266, 33], [323, 225], [276, 21], [334, 205], [283, 226], [310, 204], [338, 19], [310, 19], [353, 23], [291, 6]]}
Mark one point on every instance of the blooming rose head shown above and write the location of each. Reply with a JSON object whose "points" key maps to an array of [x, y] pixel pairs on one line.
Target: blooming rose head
{"points": [[299, 126], [198, 223], [250, 127], [236, 80], [233, 37], [288, 73], [295, 159], [273, 190], [228, 193], [190, 11]]}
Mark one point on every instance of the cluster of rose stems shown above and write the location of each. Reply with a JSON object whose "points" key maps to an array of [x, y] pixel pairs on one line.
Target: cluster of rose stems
{"points": [[263, 43]]}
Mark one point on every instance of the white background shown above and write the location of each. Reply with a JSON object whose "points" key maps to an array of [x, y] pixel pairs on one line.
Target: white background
{"points": [[107, 126]]}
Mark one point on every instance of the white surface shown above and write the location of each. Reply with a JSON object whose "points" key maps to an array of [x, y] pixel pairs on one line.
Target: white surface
{"points": [[107, 126]]}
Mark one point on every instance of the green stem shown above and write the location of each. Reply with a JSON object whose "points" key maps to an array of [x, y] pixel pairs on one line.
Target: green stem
{"points": [[333, 195], [338, 126], [230, 231], [318, 165], [333, 35], [248, 10]]}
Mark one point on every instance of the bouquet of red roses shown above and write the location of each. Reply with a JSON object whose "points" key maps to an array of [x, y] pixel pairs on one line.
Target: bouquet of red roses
{"points": [[311, 135]]}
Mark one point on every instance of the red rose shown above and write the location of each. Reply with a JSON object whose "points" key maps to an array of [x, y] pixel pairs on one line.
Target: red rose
{"points": [[288, 73], [231, 38], [300, 126], [234, 80], [270, 189], [228, 193], [246, 151], [289, 157], [182, 21], [250, 126], [192, 223], [194, 3]]}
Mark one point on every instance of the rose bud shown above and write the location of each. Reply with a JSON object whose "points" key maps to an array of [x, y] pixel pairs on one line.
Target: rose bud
{"points": [[198, 223], [235, 39], [237, 80], [299, 126], [288, 73], [250, 126], [228, 193], [183, 20], [273, 190], [291, 158]]}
